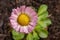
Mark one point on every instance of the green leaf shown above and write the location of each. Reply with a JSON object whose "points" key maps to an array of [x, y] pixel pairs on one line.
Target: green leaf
{"points": [[36, 39], [44, 23], [35, 35], [17, 35], [48, 22], [43, 16], [42, 9], [43, 33], [29, 37], [37, 28], [17, 39]]}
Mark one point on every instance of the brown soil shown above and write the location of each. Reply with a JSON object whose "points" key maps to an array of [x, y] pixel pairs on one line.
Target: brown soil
{"points": [[6, 7]]}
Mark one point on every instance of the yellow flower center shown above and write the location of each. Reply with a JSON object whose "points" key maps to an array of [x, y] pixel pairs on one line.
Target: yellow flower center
{"points": [[23, 19]]}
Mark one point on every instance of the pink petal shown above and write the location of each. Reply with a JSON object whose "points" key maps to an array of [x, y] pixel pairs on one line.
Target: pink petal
{"points": [[34, 13], [19, 11], [22, 8], [34, 19], [25, 29], [30, 28], [14, 26], [13, 15], [21, 29], [18, 28], [12, 21], [16, 11], [33, 24], [12, 18], [30, 11]]}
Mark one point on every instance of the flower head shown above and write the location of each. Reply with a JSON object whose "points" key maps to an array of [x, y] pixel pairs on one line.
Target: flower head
{"points": [[23, 19]]}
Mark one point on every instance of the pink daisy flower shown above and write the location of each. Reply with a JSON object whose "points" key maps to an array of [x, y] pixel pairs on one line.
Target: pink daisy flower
{"points": [[23, 19]]}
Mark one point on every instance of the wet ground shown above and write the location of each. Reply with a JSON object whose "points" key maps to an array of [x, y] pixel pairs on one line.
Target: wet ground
{"points": [[6, 7]]}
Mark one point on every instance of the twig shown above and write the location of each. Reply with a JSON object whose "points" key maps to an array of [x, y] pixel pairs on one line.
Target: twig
{"points": [[49, 15]]}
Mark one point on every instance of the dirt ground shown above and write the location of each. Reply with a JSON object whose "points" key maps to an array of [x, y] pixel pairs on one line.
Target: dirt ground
{"points": [[6, 7]]}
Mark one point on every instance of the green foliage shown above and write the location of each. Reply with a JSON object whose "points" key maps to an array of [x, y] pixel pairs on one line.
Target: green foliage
{"points": [[42, 9], [43, 33], [43, 16], [29, 37], [32, 36], [43, 20], [44, 23], [17, 36], [38, 28], [35, 35]]}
